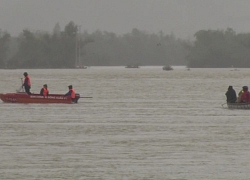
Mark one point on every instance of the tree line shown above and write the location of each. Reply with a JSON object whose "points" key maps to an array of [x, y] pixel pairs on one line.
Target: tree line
{"points": [[69, 47], [219, 49], [61, 48]]}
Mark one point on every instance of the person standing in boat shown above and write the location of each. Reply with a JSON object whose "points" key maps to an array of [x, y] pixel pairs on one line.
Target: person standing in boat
{"points": [[44, 91], [245, 97], [231, 95], [71, 93], [27, 83]]}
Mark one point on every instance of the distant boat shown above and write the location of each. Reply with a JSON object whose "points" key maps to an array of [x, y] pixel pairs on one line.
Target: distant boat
{"points": [[132, 66], [167, 68], [234, 70], [81, 67]]}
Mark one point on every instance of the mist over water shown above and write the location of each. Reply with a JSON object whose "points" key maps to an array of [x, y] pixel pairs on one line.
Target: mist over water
{"points": [[141, 123]]}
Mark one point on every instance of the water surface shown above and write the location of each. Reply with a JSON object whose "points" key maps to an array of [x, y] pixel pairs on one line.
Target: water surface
{"points": [[141, 123]]}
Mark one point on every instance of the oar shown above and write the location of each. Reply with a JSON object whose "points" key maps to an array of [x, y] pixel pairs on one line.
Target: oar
{"points": [[19, 90], [223, 104], [21, 87]]}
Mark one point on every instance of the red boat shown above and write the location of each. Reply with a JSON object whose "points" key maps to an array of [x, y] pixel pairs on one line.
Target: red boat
{"points": [[22, 97]]}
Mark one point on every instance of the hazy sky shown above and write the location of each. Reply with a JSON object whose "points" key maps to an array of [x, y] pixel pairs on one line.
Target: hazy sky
{"points": [[182, 17]]}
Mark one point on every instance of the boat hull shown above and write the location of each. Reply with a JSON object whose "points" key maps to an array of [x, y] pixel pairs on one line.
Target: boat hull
{"points": [[167, 68], [238, 105], [37, 98]]}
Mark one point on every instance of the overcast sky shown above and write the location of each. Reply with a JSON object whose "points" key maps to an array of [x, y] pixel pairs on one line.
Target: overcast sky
{"points": [[181, 17]]}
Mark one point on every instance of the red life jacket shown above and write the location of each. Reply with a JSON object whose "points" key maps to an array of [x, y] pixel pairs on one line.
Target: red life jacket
{"points": [[27, 78], [45, 92], [73, 94], [245, 97]]}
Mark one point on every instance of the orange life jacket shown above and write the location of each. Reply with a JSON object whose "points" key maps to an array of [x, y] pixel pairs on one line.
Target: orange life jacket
{"points": [[73, 94], [45, 92]]}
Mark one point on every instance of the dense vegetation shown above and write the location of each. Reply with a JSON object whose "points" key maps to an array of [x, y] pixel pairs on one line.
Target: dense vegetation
{"points": [[58, 49], [61, 49], [4, 47], [220, 48]]}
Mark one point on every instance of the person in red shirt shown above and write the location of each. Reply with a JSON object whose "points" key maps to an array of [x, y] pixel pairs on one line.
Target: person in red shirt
{"points": [[26, 83], [71, 93], [44, 91], [245, 97]]}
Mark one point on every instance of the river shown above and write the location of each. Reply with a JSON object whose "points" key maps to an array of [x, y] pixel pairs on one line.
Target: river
{"points": [[142, 123]]}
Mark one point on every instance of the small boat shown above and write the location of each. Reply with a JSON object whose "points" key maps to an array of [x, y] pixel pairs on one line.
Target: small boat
{"points": [[81, 67], [132, 66], [22, 97], [167, 68], [238, 105]]}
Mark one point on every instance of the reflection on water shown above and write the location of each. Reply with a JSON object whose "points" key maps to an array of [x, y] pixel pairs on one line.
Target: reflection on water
{"points": [[141, 123]]}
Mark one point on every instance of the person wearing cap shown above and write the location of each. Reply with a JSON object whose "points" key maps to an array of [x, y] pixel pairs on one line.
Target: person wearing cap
{"points": [[231, 95], [245, 97], [26, 83], [44, 91], [71, 93]]}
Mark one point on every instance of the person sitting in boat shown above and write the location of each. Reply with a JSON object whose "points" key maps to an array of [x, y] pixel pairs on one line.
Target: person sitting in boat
{"points": [[71, 93], [231, 95], [239, 95], [44, 91], [27, 83], [245, 97]]}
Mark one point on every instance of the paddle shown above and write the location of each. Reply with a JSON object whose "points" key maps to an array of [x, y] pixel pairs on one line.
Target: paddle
{"points": [[223, 105], [21, 87]]}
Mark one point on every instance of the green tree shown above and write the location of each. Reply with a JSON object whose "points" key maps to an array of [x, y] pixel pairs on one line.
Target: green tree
{"points": [[68, 45], [4, 47], [212, 49]]}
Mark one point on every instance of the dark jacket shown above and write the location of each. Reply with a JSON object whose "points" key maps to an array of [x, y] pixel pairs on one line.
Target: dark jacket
{"points": [[231, 95]]}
